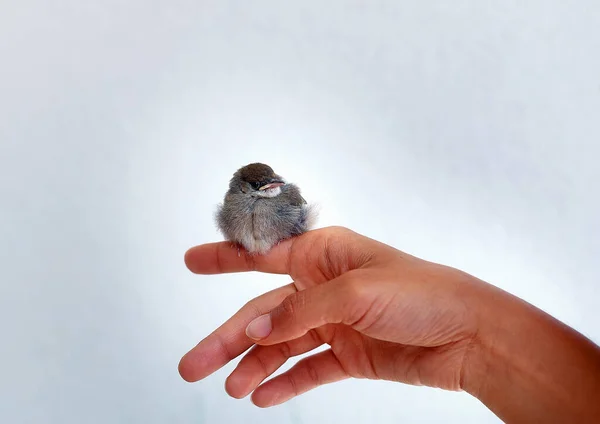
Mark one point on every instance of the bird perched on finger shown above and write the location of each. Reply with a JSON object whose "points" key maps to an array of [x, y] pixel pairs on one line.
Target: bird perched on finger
{"points": [[261, 209]]}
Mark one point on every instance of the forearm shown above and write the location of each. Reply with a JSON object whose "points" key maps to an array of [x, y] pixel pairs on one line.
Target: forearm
{"points": [[528, 367]]}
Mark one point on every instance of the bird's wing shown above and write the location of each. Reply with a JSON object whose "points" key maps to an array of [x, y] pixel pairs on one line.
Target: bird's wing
{"points": [[292, 193]]}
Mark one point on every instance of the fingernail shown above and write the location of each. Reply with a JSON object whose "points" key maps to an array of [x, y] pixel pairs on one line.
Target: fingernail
{"points": [[260, 327]]}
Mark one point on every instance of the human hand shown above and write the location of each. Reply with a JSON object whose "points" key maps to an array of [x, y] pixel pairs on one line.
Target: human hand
{"points": [[384, 314]]}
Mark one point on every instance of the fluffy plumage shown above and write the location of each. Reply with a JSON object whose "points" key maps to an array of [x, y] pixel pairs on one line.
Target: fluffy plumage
{"points": [[260, 209]]}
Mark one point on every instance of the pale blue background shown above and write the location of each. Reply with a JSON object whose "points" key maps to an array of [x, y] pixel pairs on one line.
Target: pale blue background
{"points": [[465, 132]]}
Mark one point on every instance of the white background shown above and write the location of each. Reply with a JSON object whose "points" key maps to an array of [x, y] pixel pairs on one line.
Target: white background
{"points": [[464, 132]]}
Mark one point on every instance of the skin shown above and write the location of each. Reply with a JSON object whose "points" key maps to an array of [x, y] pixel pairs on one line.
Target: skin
{"points": [[389, 315]]}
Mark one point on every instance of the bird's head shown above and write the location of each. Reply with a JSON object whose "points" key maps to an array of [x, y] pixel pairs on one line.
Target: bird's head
{"points": [[258, 180]]}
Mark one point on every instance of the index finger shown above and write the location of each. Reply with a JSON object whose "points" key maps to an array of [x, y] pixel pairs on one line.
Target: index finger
{"points": [[225, 257]]}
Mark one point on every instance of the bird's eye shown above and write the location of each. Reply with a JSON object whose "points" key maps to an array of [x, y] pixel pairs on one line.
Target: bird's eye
{"points": [[255, 185]]}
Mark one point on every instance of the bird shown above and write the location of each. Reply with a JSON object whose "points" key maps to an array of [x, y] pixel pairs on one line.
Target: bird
{"points": [[261, 209]]}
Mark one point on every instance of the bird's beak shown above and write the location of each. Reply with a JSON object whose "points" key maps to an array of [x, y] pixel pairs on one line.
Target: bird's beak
{"points": [[272, 183]]}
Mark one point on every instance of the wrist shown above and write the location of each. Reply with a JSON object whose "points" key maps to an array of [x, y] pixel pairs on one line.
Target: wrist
{"points": [[502, 367], [526, 366], [486, 302]]}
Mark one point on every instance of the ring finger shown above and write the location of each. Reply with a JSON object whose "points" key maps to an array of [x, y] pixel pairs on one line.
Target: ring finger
{"points": [[262, 361]]}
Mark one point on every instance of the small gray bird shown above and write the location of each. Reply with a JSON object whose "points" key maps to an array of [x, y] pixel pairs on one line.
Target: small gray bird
{"points": [[260, 209]]}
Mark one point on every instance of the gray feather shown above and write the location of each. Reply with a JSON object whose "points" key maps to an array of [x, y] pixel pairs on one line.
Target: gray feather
{"points": [[258, 223]]}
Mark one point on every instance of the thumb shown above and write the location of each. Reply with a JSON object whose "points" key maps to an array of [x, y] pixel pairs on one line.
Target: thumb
{"points": [[336, 301]]}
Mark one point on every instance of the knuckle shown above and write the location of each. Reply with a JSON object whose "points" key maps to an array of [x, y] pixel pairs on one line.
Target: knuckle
{"points": [[311, 372], [293, 384], [293, 304], [250, 261], [219, 259], [339, 231], [287, 316], [285, 350], [258, 357], [252, 306], [288, 306], [339, 228], [355, 289], [356, 296], [333, 232], [223, 347]]}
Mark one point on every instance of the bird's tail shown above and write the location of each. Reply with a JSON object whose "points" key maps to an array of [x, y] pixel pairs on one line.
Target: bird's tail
{"points": [[311, 216]]}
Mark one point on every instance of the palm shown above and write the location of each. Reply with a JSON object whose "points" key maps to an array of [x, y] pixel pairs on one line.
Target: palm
{"points": [[319, 257], [365, 357]]}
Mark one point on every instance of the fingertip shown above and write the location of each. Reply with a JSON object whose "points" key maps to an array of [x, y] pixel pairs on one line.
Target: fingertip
{"points": [[187, 258], [203, 259], [194, 365], [264, 397], [186, 371], [235, 387], [259, 400]]}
